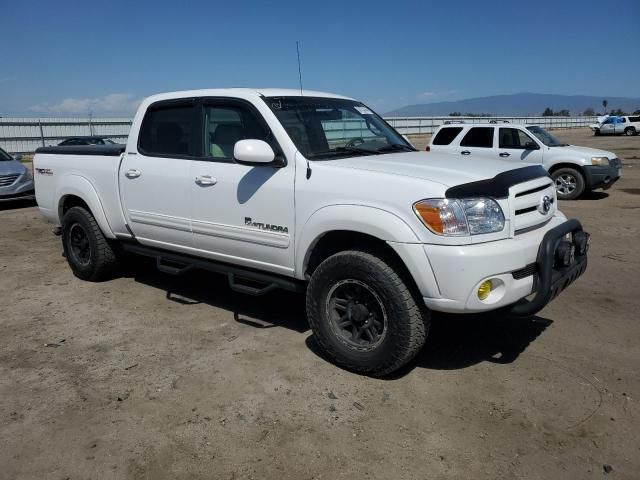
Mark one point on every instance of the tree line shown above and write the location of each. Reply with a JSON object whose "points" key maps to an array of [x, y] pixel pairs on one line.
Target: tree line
{"points": [[589, 112]]}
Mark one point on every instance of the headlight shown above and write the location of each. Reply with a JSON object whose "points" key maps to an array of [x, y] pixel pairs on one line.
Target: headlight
{"points": [[467, 216], [600, 161]]}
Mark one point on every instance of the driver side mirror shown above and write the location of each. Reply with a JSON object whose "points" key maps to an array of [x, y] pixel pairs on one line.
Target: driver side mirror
{"points": [[256, 153], [531, 146]]}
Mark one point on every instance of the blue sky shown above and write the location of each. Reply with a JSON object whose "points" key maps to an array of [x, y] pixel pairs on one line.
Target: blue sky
{"points": [[64, 58]]}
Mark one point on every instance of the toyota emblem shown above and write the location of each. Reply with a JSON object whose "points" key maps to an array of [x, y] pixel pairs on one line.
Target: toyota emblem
{"points": [[545, 204]]}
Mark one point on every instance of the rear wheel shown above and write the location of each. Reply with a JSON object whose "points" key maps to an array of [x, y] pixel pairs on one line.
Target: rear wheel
{"points": [[364, 315], [90, 255], [569, 183], [630, 131]]}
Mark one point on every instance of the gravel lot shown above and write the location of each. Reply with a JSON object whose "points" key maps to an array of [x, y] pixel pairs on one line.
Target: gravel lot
{"points": [[151, 376]]}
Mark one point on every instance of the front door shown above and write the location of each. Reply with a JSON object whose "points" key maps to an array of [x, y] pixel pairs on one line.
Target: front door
{"points": [[155, 181], [241, 214], [516, 145]]}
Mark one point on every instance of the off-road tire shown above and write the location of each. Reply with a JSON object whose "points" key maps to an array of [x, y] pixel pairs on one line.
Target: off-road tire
{"points": [[630, 131], [579, 182], [103, 259], [407, 320]]}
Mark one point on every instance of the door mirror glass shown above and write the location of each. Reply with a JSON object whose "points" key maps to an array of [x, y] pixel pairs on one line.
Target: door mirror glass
{"points": [[531, 146], [253, 152]]}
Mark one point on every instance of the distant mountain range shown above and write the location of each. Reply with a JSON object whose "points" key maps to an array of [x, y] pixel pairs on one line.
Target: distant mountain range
{"points": [[518, 104]]}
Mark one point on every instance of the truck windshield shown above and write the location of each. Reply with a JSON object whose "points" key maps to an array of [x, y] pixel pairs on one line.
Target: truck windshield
{"points": [[546, 138], [328, 128], [4, 156]]}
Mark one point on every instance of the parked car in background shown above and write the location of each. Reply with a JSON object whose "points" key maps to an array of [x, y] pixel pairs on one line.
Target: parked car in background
{"points": [[626, 125], [573, 169], [16, 182], [90, 140]]}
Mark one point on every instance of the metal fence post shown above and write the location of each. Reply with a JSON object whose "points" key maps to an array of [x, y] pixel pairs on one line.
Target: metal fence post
{"points": [[41, 132]]}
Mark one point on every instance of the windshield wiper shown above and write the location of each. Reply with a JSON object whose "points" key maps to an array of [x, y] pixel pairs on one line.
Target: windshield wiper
{"points": [[394, 147], [365, 151]]}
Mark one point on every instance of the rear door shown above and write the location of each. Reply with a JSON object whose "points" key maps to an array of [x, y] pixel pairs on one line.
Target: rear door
{"points": [[241, 214], [518, 146], [155, 181], [478, 142]]}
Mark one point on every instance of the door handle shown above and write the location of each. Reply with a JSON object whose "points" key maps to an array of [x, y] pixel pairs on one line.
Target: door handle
{"points": [[505, 154], [133, 173], [206, 180], [465, 152]]}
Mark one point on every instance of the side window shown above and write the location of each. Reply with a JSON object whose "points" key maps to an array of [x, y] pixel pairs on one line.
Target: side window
{"points": [[478, 137], [446, 135], [634, 119], [168, 130], [224, 125], [513, 138]]}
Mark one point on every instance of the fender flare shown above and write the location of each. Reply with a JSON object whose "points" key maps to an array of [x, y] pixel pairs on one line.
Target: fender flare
{"points": [[373, 221], [79, 186]]}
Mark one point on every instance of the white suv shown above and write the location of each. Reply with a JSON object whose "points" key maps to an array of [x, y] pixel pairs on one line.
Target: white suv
{"points": [[573, 169], [617, 126]]}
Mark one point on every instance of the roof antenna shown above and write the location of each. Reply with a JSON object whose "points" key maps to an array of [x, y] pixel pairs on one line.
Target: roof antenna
{"points": [[299, 69]]}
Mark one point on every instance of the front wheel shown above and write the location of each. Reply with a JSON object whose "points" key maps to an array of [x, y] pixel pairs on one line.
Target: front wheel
{"points": [[364, 315], [569, 183], [89, 254]]}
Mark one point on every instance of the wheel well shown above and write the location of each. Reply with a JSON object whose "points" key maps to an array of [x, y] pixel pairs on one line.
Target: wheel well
{"points": [[558, 166], [340, 240], [70, 201]]}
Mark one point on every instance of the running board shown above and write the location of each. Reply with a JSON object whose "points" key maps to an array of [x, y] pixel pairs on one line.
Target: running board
{"points": [[240, 279]]}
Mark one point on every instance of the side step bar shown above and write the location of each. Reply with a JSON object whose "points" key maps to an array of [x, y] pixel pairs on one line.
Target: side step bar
{"points": [[178, 264]]}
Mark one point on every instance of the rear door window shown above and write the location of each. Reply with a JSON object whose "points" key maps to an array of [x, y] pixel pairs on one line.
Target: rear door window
{"points": [[446, 135], [168, 129], [481, 137]]}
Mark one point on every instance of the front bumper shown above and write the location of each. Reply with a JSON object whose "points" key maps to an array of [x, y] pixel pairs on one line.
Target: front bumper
{"points": [[515, 267], [21, 189], [602, 177]]}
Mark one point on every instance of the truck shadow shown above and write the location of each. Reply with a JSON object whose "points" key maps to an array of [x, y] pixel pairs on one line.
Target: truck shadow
{"points": [[454, 341], [17, 205]]}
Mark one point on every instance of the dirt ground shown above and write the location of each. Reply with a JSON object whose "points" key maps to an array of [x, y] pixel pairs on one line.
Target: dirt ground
{"points": [[155, 377]]}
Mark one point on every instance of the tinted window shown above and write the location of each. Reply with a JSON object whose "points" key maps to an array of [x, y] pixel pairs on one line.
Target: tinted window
{"points": [[634, 119], [478, 137], [446, 135], [513, 138], [168, 130], [225, 125]]}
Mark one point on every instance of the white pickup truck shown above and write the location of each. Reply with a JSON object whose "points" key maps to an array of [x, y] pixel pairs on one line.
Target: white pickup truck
{"points": [[573, 169], [314, 192]]}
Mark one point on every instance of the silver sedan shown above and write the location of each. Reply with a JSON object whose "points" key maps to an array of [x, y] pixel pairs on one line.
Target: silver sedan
{"points": [[16, 182]]}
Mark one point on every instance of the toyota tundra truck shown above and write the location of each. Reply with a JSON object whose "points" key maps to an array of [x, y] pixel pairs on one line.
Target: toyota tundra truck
{"points": [[316, 193]]}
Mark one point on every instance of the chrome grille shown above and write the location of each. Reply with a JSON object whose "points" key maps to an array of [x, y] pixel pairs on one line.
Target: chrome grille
{"points": [[7, 180], [526, 199]]}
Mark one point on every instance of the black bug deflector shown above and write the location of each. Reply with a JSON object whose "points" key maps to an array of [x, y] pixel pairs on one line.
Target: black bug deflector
{"points": [[550, 281], [498, 186]]}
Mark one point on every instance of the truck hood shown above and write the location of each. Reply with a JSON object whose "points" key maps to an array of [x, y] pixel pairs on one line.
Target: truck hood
{"points": [[11, 167], [586, 152], [445, 169]]}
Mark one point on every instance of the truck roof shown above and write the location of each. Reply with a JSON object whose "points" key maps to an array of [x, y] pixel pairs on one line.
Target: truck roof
{"points": [[231, 92]]}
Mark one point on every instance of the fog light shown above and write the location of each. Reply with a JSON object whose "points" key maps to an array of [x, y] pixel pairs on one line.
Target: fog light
{"points": [[581, 241], [565, 254], [484, 289]]}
